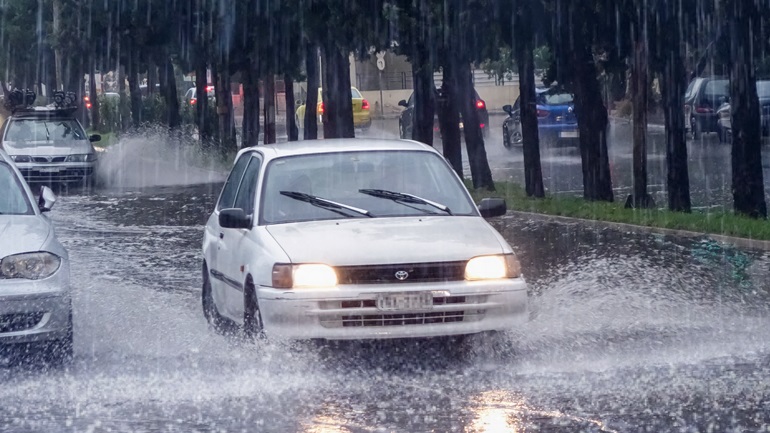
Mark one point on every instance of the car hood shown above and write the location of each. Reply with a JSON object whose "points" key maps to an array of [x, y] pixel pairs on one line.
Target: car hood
{"points": [[47, 148], [23, 233], [387, 240]]}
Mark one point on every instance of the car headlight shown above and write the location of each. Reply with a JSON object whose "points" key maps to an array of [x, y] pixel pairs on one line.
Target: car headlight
{"points": [[29, 266], [493, 267], [86, 157], [21, 158], [288, 276]]}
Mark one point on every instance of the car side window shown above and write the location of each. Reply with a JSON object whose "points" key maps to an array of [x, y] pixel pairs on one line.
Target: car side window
{"points": [[247, 191], [410, 102], [227, 198]]}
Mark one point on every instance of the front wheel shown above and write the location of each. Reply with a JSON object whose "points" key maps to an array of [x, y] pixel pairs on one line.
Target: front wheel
{"points": [[253, 327], [215, 320]]}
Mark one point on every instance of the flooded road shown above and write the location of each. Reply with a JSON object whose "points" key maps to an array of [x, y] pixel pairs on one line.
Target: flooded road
{"points": [[628, 333]]}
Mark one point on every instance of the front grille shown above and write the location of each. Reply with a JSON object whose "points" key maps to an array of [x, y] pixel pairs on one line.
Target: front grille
{"points": [[19, 322], [371, 303], [402, 319], [417, 273]]}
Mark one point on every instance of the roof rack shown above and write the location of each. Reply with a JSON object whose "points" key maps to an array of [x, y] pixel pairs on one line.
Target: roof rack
{"points": [[23, 100]]}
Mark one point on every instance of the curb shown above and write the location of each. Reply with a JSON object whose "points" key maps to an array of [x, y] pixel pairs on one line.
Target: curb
{"points": [[737, 242]]}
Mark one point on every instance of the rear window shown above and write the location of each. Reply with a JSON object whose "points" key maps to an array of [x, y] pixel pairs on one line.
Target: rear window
{"points": [[717, 88], [554, 98], [355, 94], [44, 130], [763, 89], [13, 200]]}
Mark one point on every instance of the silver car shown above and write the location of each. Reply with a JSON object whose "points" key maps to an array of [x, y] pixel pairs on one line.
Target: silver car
{"points": [[35, 303], [49, 145]]}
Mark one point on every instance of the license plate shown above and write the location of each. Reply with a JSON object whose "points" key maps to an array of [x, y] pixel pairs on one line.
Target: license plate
{"points": [[405, 301], [50, 170], [568, 134]]}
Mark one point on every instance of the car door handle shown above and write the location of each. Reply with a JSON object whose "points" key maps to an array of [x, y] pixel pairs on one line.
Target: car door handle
{"points": [[221, 236]]}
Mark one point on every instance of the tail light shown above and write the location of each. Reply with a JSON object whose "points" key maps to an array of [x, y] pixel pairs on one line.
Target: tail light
{"points": [[193, 101], [321, 108], [364, 104], [87, 101], [703, 110], [542, 113], [209, 89], [480, 104], [482, 125]]}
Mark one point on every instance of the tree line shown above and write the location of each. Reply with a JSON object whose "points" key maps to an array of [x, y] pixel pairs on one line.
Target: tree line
{"points": [[57, 42]]}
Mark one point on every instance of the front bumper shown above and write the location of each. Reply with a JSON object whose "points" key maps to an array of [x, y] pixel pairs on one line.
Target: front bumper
{"points": [[63, 172], [350, 312], [34, 311]]}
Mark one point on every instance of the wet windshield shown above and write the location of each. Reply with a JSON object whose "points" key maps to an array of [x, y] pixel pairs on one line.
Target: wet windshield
{"points": [[13, 200], [44, 130], [348, 179]]}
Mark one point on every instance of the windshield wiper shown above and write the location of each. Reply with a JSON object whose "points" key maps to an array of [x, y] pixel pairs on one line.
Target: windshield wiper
{"points": [[403, 197], [47, 132], [326, 204]]}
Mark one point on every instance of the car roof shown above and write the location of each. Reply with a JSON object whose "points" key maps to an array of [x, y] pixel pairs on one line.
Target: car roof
{"points": [[310, 147]]}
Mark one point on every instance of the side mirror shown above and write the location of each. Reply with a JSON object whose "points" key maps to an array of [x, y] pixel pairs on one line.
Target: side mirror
{"points": [[234, 218], [508, 109], [492, 207], [46, 200], [402, 103], [94, 138]]}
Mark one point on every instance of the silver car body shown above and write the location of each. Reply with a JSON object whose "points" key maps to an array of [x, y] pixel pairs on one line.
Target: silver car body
{"points": [[42, 154], [395, 247], [31, 310]]}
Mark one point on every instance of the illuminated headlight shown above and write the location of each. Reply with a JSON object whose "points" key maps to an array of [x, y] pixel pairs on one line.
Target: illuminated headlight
{"points": [[21, 158], [29, 266], [86, 157], [492, 267], [288, 276]]}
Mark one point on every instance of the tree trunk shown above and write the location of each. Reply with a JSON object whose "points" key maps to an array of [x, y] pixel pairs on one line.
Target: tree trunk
{"points": [[481, 174], [748, 182], [673, 86], [311, 101], [291, 122], [202, 101], [57, 5], [523, 45], [224, 98], [170, 94], [424, 96], [338, 104], [152, 77], [589, 109], [124, 107], [269, 80], [92, 95], [639, 94], [133, 88], [250, 107], [449, 119]]}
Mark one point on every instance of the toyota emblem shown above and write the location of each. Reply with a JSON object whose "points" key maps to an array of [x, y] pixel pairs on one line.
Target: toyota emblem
{"points": [[402, 275]]}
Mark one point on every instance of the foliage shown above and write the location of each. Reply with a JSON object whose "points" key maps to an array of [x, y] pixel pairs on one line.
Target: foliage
{"points": [[500, 68]]}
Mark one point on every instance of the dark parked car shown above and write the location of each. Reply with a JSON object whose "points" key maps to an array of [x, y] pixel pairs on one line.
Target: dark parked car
{"points": [[724, 119], [556, 120], [406, 119], [701, 101]]}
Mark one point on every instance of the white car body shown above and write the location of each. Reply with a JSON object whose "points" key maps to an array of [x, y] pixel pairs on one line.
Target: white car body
{"points": [[36, 308], [63, 154], [397, 275]]}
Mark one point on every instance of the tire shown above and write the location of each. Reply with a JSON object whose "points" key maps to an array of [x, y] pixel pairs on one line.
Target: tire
{"points": [[401, 132], [215, 320], [253, 327]]}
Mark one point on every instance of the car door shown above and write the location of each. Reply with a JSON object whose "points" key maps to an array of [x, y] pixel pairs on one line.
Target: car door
{"points": [[214, 234], [237, 243], [407, 118]]}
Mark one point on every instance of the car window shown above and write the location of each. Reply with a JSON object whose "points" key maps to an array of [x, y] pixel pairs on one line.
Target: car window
{"points": [[716, 88], [340, 176], [244, 199], [227, 198], [355, 94], [554, 98], [45, 130], [13, 200], [691, 88], [410, 102], [763, 89]]}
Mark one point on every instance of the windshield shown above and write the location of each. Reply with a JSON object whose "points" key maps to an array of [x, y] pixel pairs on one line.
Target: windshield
{"points": [[44, 130], [341, 177], [13, 200]]}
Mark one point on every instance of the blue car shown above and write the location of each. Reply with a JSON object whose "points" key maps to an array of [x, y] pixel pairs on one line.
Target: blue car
{"points": [[556, 120]]}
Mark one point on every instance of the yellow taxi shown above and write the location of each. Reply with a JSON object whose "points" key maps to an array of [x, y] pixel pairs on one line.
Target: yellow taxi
{"points": [[361, 115]]}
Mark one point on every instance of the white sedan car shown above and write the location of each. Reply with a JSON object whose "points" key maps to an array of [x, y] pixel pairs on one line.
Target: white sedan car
{"points": [[356, 239], [35, 304]]}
